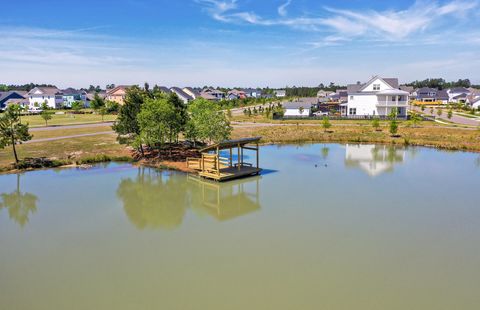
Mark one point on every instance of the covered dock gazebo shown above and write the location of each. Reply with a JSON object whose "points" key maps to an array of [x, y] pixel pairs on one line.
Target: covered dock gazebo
{"points": [[212, 166]]}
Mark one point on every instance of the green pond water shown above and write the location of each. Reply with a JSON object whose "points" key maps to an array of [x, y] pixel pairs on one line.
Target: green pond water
{"points": [[324, 227]]}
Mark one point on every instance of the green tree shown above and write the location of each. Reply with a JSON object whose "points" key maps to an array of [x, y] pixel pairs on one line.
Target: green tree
{"points": [[422, 108], [97, 103], [12, 132], [431, 110], [376, 123], [46, 115], [77, 106], [45, 106], [159, 122], [181, 110], [326, 123], [439, 112], [415, 118], [393, 122], [102, 111], [207, 122], [450, 114], [127, 125]]}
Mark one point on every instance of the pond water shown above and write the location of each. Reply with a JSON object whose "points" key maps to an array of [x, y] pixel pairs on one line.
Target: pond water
{"points": [[324, 227]]}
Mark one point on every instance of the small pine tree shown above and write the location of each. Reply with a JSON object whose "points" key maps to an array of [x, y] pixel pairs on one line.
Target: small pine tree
{"points": [[376, 123], [326, 123], [46, 115], [450, 114]]}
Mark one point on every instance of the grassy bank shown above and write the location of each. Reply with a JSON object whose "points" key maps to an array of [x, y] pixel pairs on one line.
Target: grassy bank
{"points": [[445, 138]]}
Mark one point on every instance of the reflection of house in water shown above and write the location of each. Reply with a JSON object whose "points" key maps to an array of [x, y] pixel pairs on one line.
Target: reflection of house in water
{"points": [[373, 159], [226, 201]]}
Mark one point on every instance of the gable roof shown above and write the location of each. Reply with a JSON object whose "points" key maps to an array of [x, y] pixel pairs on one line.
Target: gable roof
{"points": [[458, 90], [392, 82], [115, 89], [73, 91], [45, 91], [4, 96], [181, 93], [297, 105]]}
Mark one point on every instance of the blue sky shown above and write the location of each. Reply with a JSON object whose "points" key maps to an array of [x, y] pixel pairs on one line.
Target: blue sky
{"points": [[237, 42]]}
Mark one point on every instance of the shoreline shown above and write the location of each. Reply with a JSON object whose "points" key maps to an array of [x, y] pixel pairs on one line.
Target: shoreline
{"points": [[182, 167]]}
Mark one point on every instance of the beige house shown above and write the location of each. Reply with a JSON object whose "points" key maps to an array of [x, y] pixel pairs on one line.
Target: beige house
{"points": [[117, 94]]}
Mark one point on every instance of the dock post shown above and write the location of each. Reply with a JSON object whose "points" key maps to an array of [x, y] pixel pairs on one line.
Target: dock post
{"points": [[238, 157], [258, 154], [218, 160]]}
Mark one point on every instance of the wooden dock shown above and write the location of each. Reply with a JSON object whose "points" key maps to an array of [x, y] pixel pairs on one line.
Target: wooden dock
{"points": [[212, 166]]}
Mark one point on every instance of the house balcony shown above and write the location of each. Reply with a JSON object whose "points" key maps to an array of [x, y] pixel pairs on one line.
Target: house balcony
{"points": [[392, 104]]}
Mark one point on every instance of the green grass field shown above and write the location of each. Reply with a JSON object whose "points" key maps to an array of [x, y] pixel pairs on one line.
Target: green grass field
{"points": [[67, 119]]}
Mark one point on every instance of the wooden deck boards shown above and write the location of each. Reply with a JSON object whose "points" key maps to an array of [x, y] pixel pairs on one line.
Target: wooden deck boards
{"points": [[230, 173]]}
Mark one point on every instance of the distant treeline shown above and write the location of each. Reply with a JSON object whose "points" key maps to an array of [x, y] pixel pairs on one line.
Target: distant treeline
{"points": [[24, 87], [441, 83], [311, 91]]}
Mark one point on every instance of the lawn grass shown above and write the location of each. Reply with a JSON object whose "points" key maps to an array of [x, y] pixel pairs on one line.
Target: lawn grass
{"points": [[66, 119], [59, 132]]}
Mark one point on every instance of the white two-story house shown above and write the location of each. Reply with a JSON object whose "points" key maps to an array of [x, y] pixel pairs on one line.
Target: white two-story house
{"points": [[377, 97], [51, 96]]}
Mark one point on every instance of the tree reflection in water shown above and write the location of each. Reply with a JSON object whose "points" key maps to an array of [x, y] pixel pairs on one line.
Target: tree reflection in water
{"points": [[153, 199], [159, 200], [20, 205]]}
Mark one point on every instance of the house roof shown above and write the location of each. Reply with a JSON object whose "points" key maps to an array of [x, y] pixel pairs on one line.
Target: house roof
{"points": [[458, 90], [393, 82], [409, 89], [460, 96], [297, 105], [181, 93], [192, 90], [231, 143], [46, 91], [208, 96], [73, 91], [115, 89], [7, 94], [353, 88]]}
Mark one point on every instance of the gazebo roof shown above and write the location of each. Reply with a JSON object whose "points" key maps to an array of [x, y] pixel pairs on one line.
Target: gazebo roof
{"points": [[230, 143]]}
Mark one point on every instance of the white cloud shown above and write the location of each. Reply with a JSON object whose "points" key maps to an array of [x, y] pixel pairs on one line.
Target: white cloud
{"points": [[389, 25], [282, 10]]}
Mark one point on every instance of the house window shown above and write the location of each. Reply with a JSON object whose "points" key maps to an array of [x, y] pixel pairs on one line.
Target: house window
{"points": [[351, 97], [352, 111], [376, 86]]}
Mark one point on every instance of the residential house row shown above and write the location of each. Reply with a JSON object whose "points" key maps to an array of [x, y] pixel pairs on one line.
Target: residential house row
{"points": [[188, 94]]}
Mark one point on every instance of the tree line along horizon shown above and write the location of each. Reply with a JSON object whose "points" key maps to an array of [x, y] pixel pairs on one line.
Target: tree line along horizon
{"points": [[291, 91]]}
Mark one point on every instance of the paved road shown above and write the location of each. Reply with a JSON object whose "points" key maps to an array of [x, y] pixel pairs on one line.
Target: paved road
{"points": [[71, 136], [457, 119], [92, 125]]}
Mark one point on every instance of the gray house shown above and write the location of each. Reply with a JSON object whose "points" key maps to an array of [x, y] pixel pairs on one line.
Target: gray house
{"points": [[6, 96]]}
